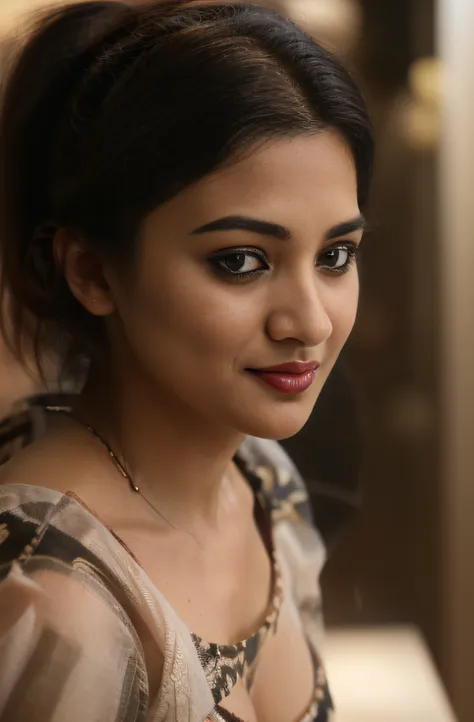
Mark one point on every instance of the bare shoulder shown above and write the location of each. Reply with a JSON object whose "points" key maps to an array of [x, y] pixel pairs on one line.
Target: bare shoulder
{"points": [[65, 460], [60, 460]]}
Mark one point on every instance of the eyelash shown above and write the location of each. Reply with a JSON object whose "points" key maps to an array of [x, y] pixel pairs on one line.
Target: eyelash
{"points": [[217, 261], [352, 250]]}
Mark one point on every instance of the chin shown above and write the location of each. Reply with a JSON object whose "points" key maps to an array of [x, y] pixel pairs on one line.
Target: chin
{"points": [[278, 425]]}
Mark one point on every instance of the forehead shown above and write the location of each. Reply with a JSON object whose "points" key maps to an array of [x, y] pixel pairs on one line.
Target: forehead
{"points": [[297, 181]]}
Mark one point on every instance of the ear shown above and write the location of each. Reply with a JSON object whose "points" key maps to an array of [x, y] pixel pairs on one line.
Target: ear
{"points": [[83, 270]]}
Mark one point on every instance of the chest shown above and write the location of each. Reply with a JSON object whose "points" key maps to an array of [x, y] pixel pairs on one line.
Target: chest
{"points": [[275, 685], [220, 587], [224, 597], [284, 683]]}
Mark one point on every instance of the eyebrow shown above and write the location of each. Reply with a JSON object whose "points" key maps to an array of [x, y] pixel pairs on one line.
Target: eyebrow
{"points": [[274, 230]]}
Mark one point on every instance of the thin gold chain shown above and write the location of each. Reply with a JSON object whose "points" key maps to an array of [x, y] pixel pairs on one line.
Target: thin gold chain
{"points": [[115, 459]]}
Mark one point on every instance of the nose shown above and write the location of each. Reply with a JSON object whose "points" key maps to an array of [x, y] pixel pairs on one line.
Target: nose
{"points": [[299, 313]]}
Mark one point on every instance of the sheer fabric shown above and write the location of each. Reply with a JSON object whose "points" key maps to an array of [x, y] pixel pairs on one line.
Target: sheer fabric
{"points": [[85, 635]]}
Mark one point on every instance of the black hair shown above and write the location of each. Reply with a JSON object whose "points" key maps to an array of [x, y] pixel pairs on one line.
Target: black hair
{"points": [[111, 109]]}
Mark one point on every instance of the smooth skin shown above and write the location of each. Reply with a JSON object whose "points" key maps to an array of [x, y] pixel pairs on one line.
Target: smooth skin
{"points": [[176, 399]]}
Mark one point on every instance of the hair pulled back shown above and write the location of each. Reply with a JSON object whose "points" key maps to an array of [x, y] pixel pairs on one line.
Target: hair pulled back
{"points": [[109, 110]]}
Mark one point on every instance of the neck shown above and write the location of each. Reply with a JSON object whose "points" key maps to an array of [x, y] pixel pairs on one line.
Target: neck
{"points": [[181, 462]]}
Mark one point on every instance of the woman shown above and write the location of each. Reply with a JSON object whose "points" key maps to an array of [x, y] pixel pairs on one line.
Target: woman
{"points": [[182, 187]]}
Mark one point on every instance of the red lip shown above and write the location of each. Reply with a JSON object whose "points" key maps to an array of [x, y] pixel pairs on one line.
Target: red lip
{"points": [[290, 378], [292, 367]]}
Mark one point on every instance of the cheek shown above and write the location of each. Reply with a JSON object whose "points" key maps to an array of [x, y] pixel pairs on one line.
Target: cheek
{"points": [[342, 310], [186, 316]]}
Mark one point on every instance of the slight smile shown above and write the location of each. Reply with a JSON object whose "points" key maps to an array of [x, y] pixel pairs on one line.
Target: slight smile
{"points": [[289, 378]]}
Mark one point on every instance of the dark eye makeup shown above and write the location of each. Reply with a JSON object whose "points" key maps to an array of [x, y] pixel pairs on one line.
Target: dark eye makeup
{"points": [[232, 262], [245, 263], [338, 258]]}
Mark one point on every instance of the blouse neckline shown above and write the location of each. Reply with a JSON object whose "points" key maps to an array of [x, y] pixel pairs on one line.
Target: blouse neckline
{"points": [[225, 664]]}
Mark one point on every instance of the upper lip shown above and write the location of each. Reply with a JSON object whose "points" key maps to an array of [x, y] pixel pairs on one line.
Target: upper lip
{"points": [[292, 367]]}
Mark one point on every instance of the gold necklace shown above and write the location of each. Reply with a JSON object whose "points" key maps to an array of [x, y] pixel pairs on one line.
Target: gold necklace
{"points": [[118, 464]]}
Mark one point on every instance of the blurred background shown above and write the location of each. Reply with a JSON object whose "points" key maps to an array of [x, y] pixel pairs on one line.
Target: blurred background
{"points": [[388, 453]]}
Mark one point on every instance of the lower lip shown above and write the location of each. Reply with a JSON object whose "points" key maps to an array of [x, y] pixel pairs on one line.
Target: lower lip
{"points": [[286, 383]]}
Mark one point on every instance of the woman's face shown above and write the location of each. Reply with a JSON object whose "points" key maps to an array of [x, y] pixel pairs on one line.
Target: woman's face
{"points": [[250, 268]]}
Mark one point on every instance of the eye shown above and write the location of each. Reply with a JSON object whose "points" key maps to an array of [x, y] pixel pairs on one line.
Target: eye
{"points": [[238, 263], [338, 259]]}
